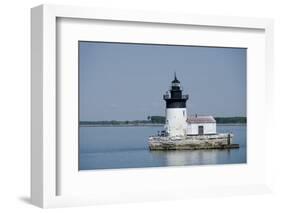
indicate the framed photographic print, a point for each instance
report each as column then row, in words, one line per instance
column 132, row 106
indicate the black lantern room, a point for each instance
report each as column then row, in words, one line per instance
column 174, row 97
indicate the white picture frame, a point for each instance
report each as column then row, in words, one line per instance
column 47, row 165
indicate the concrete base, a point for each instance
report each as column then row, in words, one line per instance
column 192, row 142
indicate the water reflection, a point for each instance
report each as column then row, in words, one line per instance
column 192, row 157
column 122, row 147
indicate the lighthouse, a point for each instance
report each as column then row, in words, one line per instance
column 182, row 132
column 176, row 115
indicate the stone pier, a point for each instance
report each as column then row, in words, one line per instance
column 192, row 142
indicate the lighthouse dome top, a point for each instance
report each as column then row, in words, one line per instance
column 175, row 82
column 175, row 79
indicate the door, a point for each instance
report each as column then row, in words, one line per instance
column 200, row 130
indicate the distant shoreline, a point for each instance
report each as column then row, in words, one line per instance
column 119, row 125
column 159, row 121
column 148, row 125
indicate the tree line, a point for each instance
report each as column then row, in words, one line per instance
column 161, row 120
column 220, row 120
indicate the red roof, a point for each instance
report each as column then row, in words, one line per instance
column 200, row 119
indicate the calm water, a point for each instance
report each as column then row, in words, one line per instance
column 126, row 147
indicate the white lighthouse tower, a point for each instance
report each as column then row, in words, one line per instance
column 176, row 115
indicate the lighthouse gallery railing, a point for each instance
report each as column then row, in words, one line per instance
column 168, row 96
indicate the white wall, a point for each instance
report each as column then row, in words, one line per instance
column 15, row 105
column 176, row 121
column 209, row 128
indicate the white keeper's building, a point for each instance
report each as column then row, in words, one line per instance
column 201, row 125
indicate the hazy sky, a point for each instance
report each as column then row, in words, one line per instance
column 127, row 81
